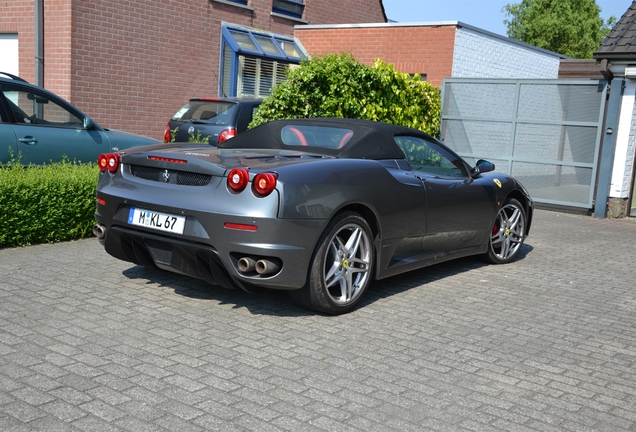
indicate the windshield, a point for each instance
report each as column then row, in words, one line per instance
column 212, row 112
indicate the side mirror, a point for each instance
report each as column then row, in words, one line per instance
column 483, row 166
column 87, row 124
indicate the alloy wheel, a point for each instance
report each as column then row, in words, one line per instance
column 347, row 264
column 508, row 232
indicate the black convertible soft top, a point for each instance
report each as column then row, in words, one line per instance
column 370, row 140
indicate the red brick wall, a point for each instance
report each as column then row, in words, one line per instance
column 417, row 49
column 344, row 11
column 58, row 47
column 134, row 63
column 16, row 16
column 130, row 64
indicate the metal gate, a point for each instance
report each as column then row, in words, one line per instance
column 546, row 133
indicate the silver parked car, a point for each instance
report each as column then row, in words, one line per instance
column 317, row 207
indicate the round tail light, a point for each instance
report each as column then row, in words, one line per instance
column 237, row 179
column 102, row 162
column 264, row 183
column 109, row 161
column 113, row 162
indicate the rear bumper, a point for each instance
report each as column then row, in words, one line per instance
column 211, row 252
column 199, row 261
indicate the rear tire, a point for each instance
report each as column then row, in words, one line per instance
column 507, row 234
column 341, row 267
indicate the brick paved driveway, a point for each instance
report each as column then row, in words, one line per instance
column 89, row 343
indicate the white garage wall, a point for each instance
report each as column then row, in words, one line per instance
column 481, row 54
column 9, row 53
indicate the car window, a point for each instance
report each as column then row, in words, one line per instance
column 254, row 111
column 315, row 136
column 31, row 107
column 428, row 157
column 213, row 112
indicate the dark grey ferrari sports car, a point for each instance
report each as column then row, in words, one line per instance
column 317, row 207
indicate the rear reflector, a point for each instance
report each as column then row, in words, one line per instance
column 101, row 201
column 242, row 227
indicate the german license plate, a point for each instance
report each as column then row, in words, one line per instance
column 156, row 220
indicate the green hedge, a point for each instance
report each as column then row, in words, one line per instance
column 46, row 204
column 339, row 86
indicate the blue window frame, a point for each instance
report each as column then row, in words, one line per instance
column 247, row 41
column 243, row 2
column 293, row 8
column 252, row 62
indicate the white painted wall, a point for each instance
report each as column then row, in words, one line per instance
column 9, row 53
column 481, row 54
column 625, row 144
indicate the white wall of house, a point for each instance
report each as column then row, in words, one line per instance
column 481, row 54
column 9, row 53
column 625, row 148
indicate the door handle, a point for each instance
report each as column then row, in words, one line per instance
column 28, row 140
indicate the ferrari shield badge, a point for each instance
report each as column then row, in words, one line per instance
column 497, row 182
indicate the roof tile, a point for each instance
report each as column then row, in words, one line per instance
column 620, row 43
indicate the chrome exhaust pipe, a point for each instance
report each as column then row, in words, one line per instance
column 265, row 267
column 99, row 231
column 246, row 265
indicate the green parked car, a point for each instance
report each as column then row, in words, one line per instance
column 38, row 127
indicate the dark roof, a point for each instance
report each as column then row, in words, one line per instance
column 370, row 140
column 383, row 11
column 620, row 43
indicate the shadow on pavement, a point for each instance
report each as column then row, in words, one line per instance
column 278, row 303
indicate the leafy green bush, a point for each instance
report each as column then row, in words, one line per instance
column 339, row 86
column 46, row 204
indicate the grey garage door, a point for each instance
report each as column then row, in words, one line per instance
column 546, row 133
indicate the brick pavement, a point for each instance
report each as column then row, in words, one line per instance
column 90, row 343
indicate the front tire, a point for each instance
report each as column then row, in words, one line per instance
column 508, row 233
column 341, row 267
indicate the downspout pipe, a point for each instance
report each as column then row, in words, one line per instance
column 606, row 163
column 39, row 43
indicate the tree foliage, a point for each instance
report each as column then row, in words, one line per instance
column 339, row 86
column 570, row 27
